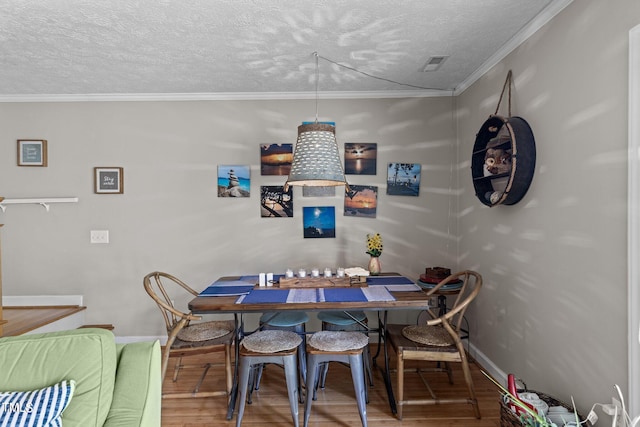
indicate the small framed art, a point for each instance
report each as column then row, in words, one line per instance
column 275, row 159
column 234, row 181
column 275, row 202
column 108, row 180
column 362, row 201
column 360, row 158
column 32, row 152
column 403, row 179
column 319, row 221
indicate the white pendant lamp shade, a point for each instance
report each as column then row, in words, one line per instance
column 316, row 159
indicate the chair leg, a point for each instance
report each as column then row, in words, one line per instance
column 399, row 400
column 359, row 385
column 176, row 369
column 312, row 373
column 302, row 352
column 204, row 374
column 259, row 369
column 366, row 354
column 449, row 371
column 324, row 369
column 227, row 365
column 243, row 383
column 291, row 376
column 472, row 393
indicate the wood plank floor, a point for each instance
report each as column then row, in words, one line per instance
column 336, row 405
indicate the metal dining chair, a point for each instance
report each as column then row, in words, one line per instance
column 269, row 346
column 337, row 346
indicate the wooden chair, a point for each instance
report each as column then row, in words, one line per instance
column 188, row 339
column 439, row 340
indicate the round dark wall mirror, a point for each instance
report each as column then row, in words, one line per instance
column 503, row 160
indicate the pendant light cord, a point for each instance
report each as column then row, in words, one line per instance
column 317, row 82
column 365, row 74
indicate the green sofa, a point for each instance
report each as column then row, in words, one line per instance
column 116, row 385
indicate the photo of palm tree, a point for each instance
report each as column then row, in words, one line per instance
column 275, row 202
column 403, row 179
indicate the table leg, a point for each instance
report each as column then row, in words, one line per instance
column 386, row 372
column 239, row 328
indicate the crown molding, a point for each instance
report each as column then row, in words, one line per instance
column 222, row 96
column 538, row 22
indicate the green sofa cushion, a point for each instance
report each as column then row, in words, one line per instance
column 86, row 355
column 138, row 389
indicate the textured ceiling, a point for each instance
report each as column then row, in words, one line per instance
column 73, row 47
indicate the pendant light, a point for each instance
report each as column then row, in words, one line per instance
column 316, row 159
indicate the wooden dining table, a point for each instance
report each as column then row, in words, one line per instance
column 400, row 299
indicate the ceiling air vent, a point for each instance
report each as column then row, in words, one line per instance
column 434, row 62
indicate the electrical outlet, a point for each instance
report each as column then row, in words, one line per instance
column 99, row 236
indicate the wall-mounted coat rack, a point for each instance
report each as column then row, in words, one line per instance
column 42, row 201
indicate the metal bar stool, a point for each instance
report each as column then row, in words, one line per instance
column 346, row 321
column 287, row 321
column 338, row 346
column 271, row 346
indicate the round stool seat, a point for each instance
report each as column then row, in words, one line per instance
column 271, row 341
column 341, row 318
column 284, row 318
column 338, row 340
column 205, row 331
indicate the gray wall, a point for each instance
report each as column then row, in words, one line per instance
column 554, row 306
column 170, row 218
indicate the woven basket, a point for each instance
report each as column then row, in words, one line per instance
column 509, row 419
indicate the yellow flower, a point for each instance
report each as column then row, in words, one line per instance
column 374, row 244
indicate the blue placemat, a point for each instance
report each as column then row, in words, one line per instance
column 266, row 296
column 226, row 290
column 388, row 280
column 344, row 295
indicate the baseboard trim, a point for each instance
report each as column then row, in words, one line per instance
column 487, row 364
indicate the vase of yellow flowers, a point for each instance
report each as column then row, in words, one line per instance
column 374, row 248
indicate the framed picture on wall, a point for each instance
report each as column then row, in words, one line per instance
column 361, row 201
column 108, row 180
column 403, row 179
column 319, row 221
column 275, row 159
column 234, row 181
column 32, row 152
column 360, row 158
column 275, row 202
